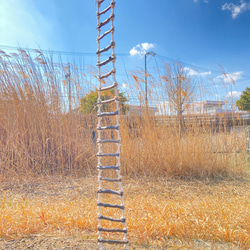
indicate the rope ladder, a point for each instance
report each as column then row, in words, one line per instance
column 112, row 227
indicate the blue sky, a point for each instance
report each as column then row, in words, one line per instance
column 200, row 33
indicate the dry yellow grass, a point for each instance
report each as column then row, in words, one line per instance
column 156, row 210
column 38, row 139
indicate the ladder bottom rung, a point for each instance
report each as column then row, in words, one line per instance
column 110, row 205
column 111, row 219
column 108, row 191
column 114, row 230
column 113, row 241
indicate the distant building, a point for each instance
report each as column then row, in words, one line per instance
column 195, row 108
column 138, row 110
column 205, row 107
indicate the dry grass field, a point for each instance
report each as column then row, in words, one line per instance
column 185, row 188
column 161, row 213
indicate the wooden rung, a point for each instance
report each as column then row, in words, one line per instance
column 108, row 127
column 112, row 241
column 108, row 113
column 108, row 167
column 110, row 205
column 123, row 220
column 107, row 74
column 108, row 141
column 118, row 230
column 105, row 21
column 109, row 179
column 105, row 33
column 111, row 58
column 108, row 101
column 108, row 191
column 108, row 154
column 112, row 44
column 115, row 84
column 104, row 11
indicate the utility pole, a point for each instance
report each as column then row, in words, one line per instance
column 68, row 77
column 146, row 83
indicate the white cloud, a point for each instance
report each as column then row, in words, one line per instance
column 191, row 72
column 232, row 94
column 124, row 85
column 134, row 52
column 229, row 78
column 147, row 46
column 22, row 24
column 141, row 49
column 236, row 9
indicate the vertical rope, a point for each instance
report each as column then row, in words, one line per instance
column 104, row 128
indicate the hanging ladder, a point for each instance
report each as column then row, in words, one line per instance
column 112, row 227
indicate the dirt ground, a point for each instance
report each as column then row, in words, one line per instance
column 47, row 242
column 66, row 187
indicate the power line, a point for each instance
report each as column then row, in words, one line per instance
column 58, row 52
column 195, row 66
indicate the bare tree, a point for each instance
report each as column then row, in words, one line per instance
column 180, row 88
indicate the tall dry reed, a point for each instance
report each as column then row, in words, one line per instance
column 38, row 134
column 154, row 148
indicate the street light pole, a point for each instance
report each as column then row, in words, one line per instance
column 146, row 83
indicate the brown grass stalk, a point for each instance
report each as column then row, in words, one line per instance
column 39, row 136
